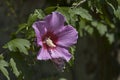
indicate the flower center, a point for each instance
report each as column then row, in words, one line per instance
column 49, row 42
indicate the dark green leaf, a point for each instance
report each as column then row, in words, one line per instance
column 48, row 10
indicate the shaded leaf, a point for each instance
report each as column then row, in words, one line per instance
column 38, row 14
column 21, row 44
column 48, row 10
column 102, row 29
column 1, row 57
column 72, row 51
column 21, row 27
column 117, row 13
column 82, row 25
column 89, row 29
column 110, row 37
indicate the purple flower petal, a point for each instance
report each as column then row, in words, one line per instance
column 40, row 30
column 67, row 37
column 55, row 21
column 60, row 52
column 43, row 54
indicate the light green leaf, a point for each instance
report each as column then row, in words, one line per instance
column 40, row 14
column 13, row 65
column 18, row 44
column 5, row 72
column 4, row 64
column 110, row 37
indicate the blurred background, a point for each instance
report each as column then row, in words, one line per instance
column 95, row 58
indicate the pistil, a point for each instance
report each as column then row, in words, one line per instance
column 49, row 42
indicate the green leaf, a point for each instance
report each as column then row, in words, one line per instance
column 32, row 18
column 83, row 13
column 82, row 25
column 13, row 65
column 40, row 14
column 65, row 12
column 48, row 10
column 21, row 44
column 1, row 57
column 72, row 51
column 102, row 29
column 21, row 27
column 117, row 12
column 89, row 29
column 5, row 72
column 110, row 38
column 4, row 64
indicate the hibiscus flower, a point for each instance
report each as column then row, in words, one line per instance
column 54, row 37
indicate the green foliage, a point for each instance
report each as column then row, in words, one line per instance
column 18, row 44
column 14, row 68
column 72, row 51
column 48, row 10
column 89, row 17
column 110, row 37
column 83, row 13
column 117, row 12
column 65, row 12
column 102, row 29
column 3, row 65
column 38, row 14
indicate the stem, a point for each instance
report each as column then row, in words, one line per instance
column 80, row 3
